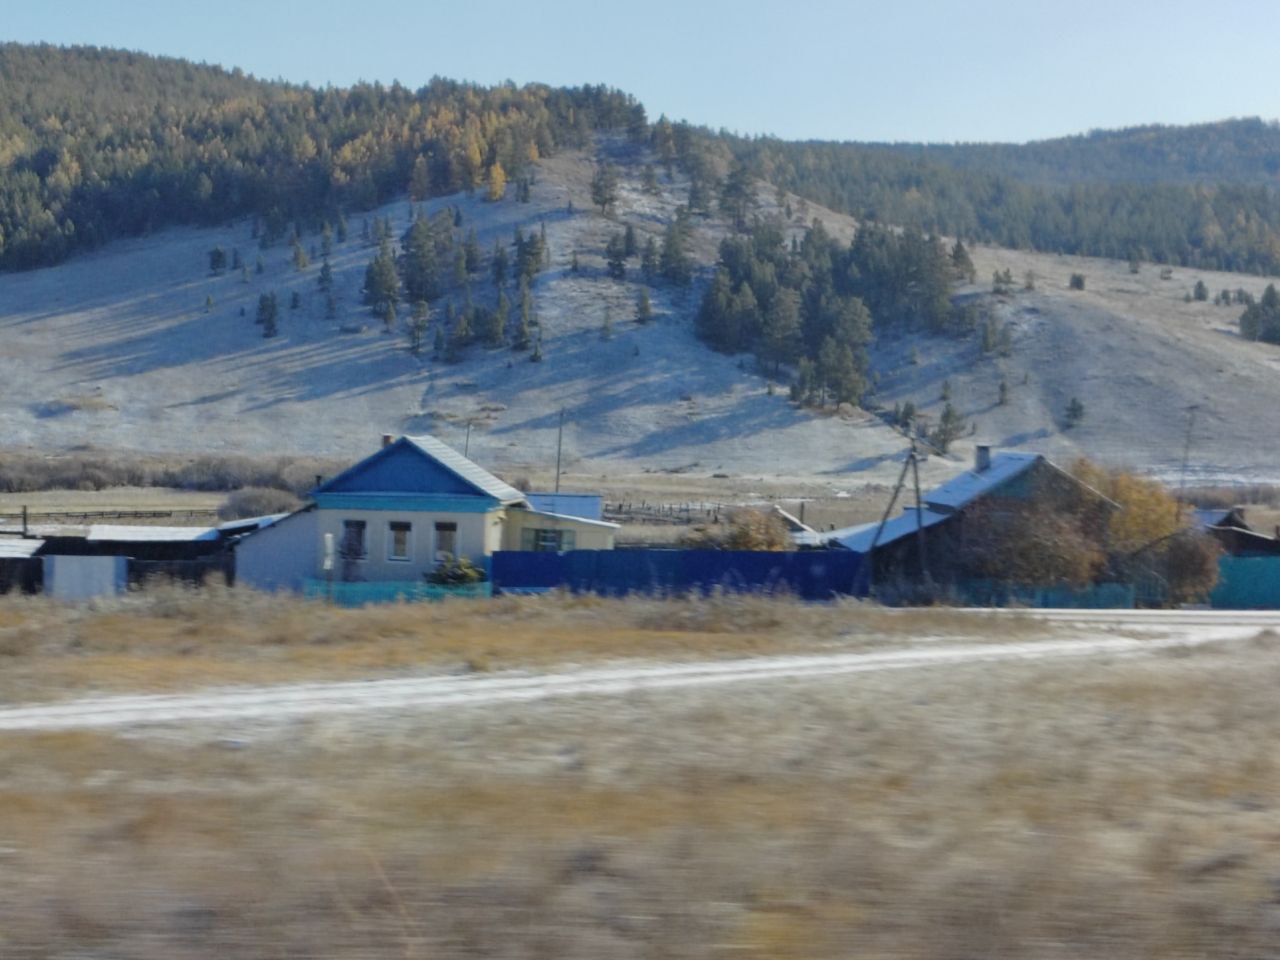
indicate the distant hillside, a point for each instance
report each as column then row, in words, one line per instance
column 1244, row 151
column 1096, row 196
column 143, row 346
column 100, row 144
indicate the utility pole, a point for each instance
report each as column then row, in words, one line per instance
column 559, row 445
column 466, row 446
column 920, row 548
column 1186, row 451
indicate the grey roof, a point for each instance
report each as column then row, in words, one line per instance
column 589, row 506
column 607, row 524
column 859, row 538
column 468, row 470
column 17, row 548
column 136, row 534
column 249, row 524
column 1211, row 518
column 964, row 489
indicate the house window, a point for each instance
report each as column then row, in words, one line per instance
column 353, row 542
column 399, row 540
column 547, row 541
column 446, row 541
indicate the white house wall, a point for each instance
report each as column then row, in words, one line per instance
column 280, row 556
column 477, row 532
column 587, row 535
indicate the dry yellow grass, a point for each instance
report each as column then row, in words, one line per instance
column 169, row 638
column 1110, row 810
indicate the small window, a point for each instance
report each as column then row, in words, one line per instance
column 399, row 540
column 446, row 541
column 547, row 541
column 353, row 543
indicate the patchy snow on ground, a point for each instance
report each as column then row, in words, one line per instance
column 120, row 349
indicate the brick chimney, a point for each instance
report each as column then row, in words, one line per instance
column 982, row 457
column 388, row 439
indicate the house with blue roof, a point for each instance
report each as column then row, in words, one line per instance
column 399, row 513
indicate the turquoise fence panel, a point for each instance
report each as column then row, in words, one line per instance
column 390, row 591
column 1247, row 583
column 994, row 593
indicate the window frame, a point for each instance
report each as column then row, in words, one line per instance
column 344, row 542
column 407, row 556
column 444, row 526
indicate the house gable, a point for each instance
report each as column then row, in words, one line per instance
column 420, row 473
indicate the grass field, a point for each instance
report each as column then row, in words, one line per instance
column 1120, row 809
column 168, row 639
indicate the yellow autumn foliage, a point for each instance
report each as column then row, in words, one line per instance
column 1149, row 512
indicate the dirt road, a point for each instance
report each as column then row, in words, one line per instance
column 1142, row 633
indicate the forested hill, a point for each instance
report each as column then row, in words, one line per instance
column 97, row 144
column 1242, row 151
column 1200, row 196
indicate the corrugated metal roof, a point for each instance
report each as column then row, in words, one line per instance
column 565, row 516
column 249, row 524
column 859, row 538
column 128, row 534
column 469, row 471
column 17, row 548
column 964, row 489
column 588, row 506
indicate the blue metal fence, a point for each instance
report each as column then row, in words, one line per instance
column 1247, row 583
column 812, row 575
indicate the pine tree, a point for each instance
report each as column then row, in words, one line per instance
column 650, row 266
column 268, row 311
column 1004, row 393
column 629, row 246
column 604, row 186
column 951, row 427
column 674, row 263
column 780, row 332
column 381, row 282
column 616, row 258
column 438, row 345
column 325, row 278
column 648, row 179
column 962, row 264
column 420, row 179
column 524, row 327
column 300, row 261
column 326, row 240
column 1075, row 412
column 499, row 261
column 501, row 317
column 217, row 260
column 644, row 311
column 737, row 194
column 471, row 251
column 295, row 300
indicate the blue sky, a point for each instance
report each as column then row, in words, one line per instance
column 905, row 70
